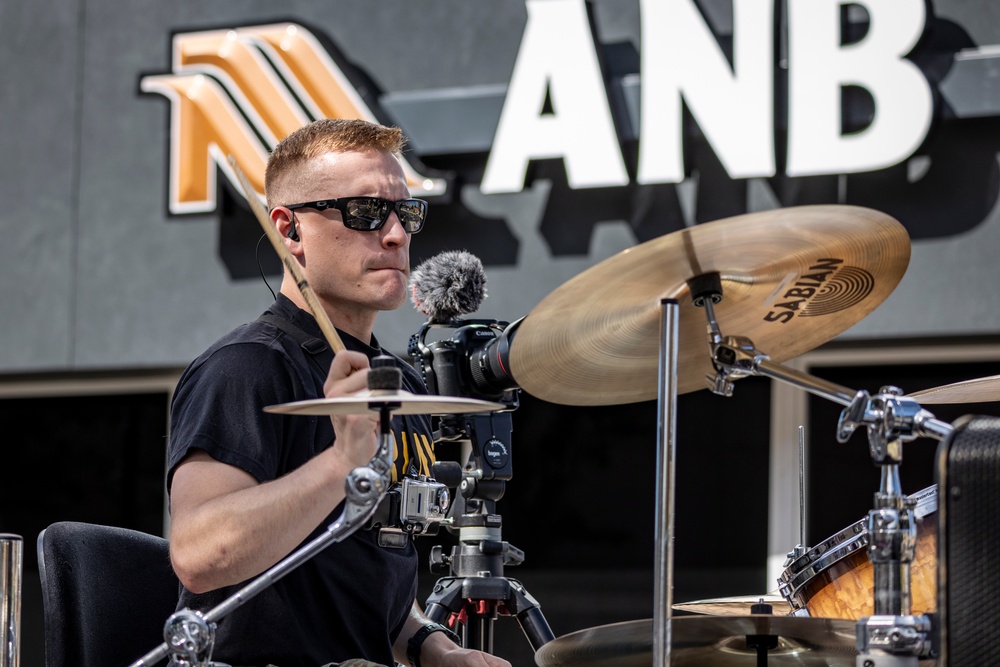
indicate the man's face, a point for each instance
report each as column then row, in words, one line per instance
column 354, row 272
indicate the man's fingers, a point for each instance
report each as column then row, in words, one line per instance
column 348, row 374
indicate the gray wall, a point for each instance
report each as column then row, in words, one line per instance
column 97, row 275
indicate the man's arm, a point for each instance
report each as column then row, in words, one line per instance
column 437, row 649
column 226, row 527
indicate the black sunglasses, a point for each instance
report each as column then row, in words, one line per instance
column 368, row 214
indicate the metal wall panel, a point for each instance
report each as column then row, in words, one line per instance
column 97, row 275
column 39, row 49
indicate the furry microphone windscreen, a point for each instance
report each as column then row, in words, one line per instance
column 449, row 284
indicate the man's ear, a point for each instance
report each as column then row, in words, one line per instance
column 284, row 221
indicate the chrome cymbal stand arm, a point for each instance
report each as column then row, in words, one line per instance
column 666, row 476
column 190, row 635
column 889, row 417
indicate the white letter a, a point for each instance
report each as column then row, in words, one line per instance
column 557, row 55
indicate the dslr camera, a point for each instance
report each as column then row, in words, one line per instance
column 473, row 362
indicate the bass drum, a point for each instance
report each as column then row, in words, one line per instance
column 835, row 579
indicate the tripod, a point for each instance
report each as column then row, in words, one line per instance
column 476, row 592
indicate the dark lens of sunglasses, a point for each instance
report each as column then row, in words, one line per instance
column 411, row 213
column 370, row 213
column 367, row 213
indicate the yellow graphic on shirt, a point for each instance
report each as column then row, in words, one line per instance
column 424, row 450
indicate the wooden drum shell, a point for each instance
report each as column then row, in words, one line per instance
column 844, row 588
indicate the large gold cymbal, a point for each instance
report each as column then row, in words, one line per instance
column 719, row 641
column 792, row 279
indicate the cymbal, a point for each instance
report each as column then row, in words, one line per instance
column 792, row 279
column 735, row 606
column 405, row 403
column 720, row 641
column 980, row 390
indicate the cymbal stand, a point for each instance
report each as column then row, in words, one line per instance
column 892, row 636
column 476, row 591
column 666, row 459
column 190, row 634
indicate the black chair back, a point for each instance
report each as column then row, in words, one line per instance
column 106, row 594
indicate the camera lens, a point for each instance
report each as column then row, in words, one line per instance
column 490, row 365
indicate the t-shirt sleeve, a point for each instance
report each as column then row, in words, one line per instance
column 218, row 407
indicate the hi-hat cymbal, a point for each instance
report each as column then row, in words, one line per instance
column 792, row 279
column 720, row 641
column 735, row 606
column 980, row 390
column 403, row 402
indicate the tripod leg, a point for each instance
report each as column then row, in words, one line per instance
column 535, row 627
column 436, row 613
column 448, row 597
column 459, row 598
column 522, row 606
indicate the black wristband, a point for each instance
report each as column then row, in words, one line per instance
column 417, row 640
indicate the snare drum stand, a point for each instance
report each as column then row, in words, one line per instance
column 891, row 637
column 477, row 592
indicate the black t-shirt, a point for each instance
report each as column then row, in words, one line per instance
column 351, row 599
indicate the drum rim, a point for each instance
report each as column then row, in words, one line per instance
column 818, row 559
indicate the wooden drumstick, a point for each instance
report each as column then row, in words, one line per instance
column 329, row 332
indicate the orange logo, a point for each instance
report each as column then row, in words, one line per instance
column 238, row 92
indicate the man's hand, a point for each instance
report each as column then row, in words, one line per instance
column 439, row 651
column 463, row 657
column 357, row 435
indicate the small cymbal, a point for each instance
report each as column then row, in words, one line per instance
column 792, row 279
column 735, row 606
column 405, row 403
column 720, row 641
column 980, row 390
